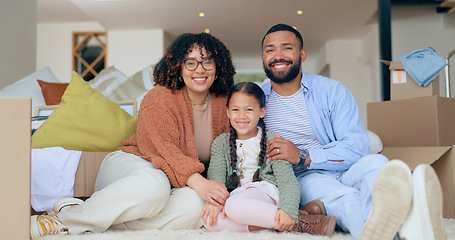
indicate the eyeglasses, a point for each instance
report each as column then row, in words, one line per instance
column 192, row 64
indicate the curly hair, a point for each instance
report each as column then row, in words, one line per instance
column 167, row 70
column 250, row 89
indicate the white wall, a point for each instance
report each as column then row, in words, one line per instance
column 54, row 46
column 315, row 61
column 248, row 65
column 168, row 39
column 17, row 40
column 348, row 67
column 129, row 51
column 353, row 62
column 132, row 50
column 420, row 27
column 371, row 60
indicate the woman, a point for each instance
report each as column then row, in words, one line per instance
column 155, row 181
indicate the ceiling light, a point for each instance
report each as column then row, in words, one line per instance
column 300, row 12
column 207, row 30
column 201, row 14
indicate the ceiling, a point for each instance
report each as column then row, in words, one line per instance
column 240, row 24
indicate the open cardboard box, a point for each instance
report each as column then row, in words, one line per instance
column 442, row 159
column 87, row 170
column 403, row 86
column 417, row 122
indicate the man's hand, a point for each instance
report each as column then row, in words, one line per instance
column 284, row 222
column 282, row 149
column 211, row 191
column 211, row 212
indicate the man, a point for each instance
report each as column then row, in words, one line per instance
column 320, row 131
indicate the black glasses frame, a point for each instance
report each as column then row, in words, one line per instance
column 202, row 64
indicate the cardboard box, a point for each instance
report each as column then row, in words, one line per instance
column 15, row 149
column 442, row 159
column 403, row 86
column 89, row 165
column 418, row 122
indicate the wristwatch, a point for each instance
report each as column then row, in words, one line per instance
column 303, row 154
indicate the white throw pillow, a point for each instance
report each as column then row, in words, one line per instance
column 28, row 87
column 116, row 86
column 375, row 142
column 107, row 81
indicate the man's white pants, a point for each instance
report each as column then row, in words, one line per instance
column 345, row 194
column 130, row 193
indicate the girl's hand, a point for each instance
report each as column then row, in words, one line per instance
column 211, row 212
column 284, row 222
column 211, row 191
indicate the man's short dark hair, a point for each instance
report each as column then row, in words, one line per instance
column 283, row 27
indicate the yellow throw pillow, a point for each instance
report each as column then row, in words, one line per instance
column 85, row 121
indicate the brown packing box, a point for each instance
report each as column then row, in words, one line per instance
column 442, row 159
column 418, row 122
column 89, row 165
column 403, row 86
column 15, row 131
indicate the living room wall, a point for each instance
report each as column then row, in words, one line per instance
column 348, row 66
column 133, row 50
column 128, row 50
column 18, row 40
column 54, row 48
column 354, row 62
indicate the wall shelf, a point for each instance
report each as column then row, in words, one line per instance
column 89, row 53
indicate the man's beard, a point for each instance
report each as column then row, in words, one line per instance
column 283, row 77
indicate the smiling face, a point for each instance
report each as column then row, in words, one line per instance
column 282, row 56
column 244, row 112
column 199, row 80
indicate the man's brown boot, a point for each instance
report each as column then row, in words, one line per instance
column 316, row 225
column 314, row 207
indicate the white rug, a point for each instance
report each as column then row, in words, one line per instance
column 202, row 234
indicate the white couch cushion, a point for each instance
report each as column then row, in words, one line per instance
column 375, row 142
column 28, row 87
column 116, row 86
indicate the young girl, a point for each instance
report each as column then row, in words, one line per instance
column 264, row 194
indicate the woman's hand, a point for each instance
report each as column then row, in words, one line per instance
column 211, row 191
column 284, row 222
column 211, row 212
